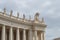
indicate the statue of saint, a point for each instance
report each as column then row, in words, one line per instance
column 37, row 17
column 17, row 14
column 23, row 16
column 11, row 13
column 4, row 11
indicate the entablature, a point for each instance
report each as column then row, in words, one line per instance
column 13, row 19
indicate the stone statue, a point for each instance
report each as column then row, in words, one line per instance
column 11, row 13
column 37, row 17
column 4, row 11
column 23, row 16
column 17, row 15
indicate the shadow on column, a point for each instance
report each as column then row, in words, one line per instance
column 0, row 33
column 21, row 35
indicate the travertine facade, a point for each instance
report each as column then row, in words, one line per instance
column 15, row 28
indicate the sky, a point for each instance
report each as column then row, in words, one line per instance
column 49, row 9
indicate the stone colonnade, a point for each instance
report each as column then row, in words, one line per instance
column 30, row 35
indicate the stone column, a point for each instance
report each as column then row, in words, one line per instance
column 11, row 34
column 42, row 36
column 39, row 35
column 17, row 34
column 6, row 36
column 3, row 32
column 35, row 34
column 24, row 34
column 30, row 35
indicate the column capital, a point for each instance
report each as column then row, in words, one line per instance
column 42, row 31
column 3, row 25
column 17, row 28
column 11, row 27
column 30, row 29
column 24, row 29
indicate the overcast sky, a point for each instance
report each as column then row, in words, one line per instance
column 49, row 9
